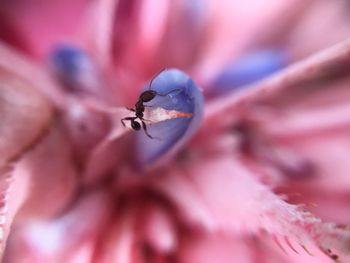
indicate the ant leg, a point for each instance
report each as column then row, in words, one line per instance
column 148, row 106
column 122, row 121
column 130, row 109
column 127, row 119
column 144, row 127
column 147, row 120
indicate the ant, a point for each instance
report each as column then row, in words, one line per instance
column 139, row 109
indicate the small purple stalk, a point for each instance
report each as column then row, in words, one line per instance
column 248, row 69
column 74, row 68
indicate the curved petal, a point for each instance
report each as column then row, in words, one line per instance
column 67, row 238
column 26, row 116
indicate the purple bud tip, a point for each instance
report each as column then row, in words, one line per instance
column 72, row 66
column 177, row 91
column 246, row 70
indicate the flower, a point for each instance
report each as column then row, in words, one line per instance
column 232, row 183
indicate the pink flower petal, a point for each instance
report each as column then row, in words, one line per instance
column 160, row 231
column 183, row 193
column 207, row 248
column 119, row 242
column 238, row 203
column 25, row 115
column 99, row 29
column 320, row 65
column 64, row 239
column 33, row 20
column 35, row 74
column 236, row 26
column 328, row 15
column 50, row 175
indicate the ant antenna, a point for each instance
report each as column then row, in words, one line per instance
column 156, row 75
column 151, row 82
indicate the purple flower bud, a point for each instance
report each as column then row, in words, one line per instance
column 177, row 91
column 74, row 68
column 246, row 70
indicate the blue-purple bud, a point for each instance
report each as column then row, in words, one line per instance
column 183, row 95
column 248, row 69
column 74, row 68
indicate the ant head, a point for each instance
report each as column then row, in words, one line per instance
column 148, row 95
column 135, row 125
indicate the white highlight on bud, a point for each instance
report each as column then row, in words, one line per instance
column 158, row 114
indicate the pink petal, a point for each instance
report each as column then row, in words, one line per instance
column 235, row 26
column 238, row 203
column 99, row 29
column 33, row 20
column 8, row 206
column 328, row 15
column 183, row 193
column 120, row 240
column 208, row 248
column 160, row 230
column 50, row 175
column 64, row 239
column 35, row 74
column 313, row 68
column 86, row 126
column 25, row 115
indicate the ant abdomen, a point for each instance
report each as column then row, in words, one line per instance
column 135, row 125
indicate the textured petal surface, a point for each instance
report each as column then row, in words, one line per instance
column 25, row 115
column 235, row 202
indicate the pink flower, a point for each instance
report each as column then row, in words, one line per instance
column 234, row 183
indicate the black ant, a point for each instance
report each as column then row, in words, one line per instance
column 139, row 109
